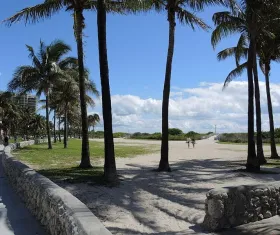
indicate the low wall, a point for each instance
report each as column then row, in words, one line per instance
column 27, row 143
column 59, row 211
column 229, row 207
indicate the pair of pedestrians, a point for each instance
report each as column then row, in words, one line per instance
column 190, row 141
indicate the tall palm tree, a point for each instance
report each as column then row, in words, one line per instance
column 110, row 170
column 40, row 77
column 175, row 10
column 268, row 50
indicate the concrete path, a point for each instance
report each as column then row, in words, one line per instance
column 14, row 216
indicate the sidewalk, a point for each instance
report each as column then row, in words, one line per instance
column 14, row 216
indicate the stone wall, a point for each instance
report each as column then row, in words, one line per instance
column 229, row 207
column 27, row 143
column 59, row 211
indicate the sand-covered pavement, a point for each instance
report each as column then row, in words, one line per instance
column 147, row 202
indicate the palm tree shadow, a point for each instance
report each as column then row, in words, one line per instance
column 178, row 196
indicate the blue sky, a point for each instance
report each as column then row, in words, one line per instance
column 137, row 48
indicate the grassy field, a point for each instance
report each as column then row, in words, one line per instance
column 233, row 143
column 60, row 164
column 273, row 163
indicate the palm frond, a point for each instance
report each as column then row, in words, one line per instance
column 241, row 49
column 32, row 56
column 224, row 54
column 198, row 5
column 262, row 66
column 68, row 62
column 235, row 73
column 91, row 88
column 25, row 78
column 57, row 49
column 224, row 30
column 191, row 19
column 36, row 13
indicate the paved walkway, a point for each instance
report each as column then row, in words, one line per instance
column 14, row 216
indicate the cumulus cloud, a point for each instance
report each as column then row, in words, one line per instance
column 198, row 109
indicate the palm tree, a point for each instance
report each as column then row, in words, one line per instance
column 110, row 170
column 268, row 50
column 40, row 77
column 93, row 120
column 175, row 9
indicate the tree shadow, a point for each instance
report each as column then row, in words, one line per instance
column 148, row 199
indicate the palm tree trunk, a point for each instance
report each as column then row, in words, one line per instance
column 110, row 171
column 65, row 129
column 47, row 121
column 260, row 153
column 78, row 26
column 274, row 153
column 59, row 136
column 252, row 160
column 54, row 121
column 164, row 163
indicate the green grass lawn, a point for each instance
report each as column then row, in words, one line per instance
column 233, row 143
column 61, row 164
column 273, row 163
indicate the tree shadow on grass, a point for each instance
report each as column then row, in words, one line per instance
column 75, row 175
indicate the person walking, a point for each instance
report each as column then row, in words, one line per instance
column 193, row 142
column 188, row 141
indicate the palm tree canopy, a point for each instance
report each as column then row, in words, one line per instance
column 45, row 68
column 93, row 119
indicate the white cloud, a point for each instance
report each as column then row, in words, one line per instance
column 198, row 109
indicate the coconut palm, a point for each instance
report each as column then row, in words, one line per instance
column 268, row 50
column 45, row 70
column 181, row 10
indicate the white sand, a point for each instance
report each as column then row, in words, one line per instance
column 148, row 202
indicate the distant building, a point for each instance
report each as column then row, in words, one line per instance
column 26, row 100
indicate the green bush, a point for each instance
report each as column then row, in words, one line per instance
column 175, row 131
column 120, row 135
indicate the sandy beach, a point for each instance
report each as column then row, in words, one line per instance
column 147, row 202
